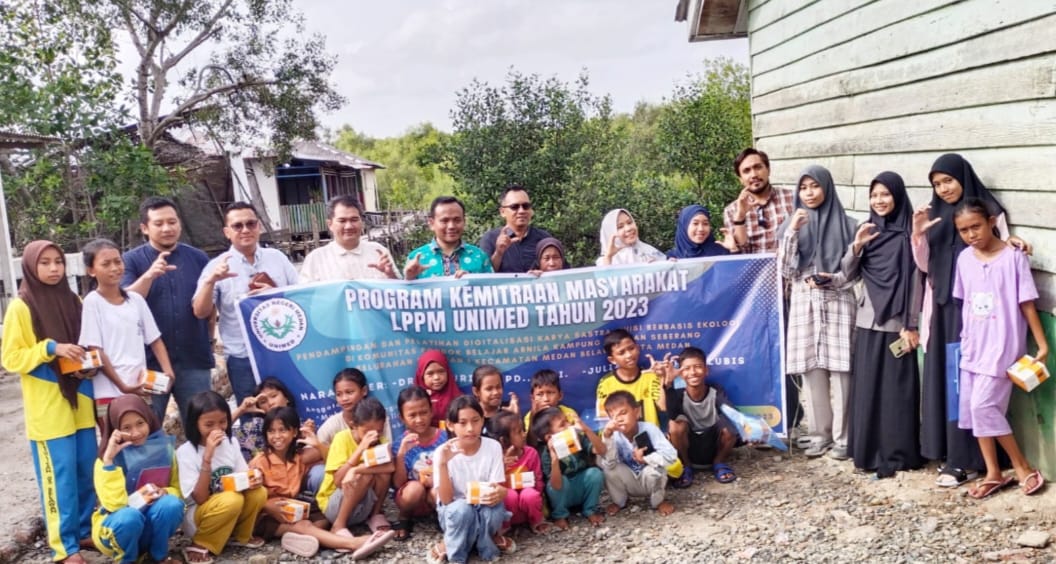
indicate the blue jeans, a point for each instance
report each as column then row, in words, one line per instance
column 583, row 489
column 189, row 381
column 314, row 479
column 127, row 532
column 243, row 382
column 466, row 526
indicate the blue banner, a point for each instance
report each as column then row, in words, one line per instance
column 728, row 306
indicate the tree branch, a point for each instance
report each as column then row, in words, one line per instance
column 207, row 31
column 189, row 105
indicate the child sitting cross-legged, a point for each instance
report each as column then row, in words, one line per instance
column 572, row 480
column 524, row 476
column 699, row 430
column 636, row 457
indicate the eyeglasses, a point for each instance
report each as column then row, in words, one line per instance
column 248, row 225
column 760, row 219
column 518, row 207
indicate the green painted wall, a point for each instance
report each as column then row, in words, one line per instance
column 1033, row 415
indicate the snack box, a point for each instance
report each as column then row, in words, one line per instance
column 1028, row 373
column 477, row 490
column 90, row 360
column 522, row 480
column 237, row 481
column 144, row 496
column 294, row 510
column 566, row 442
column 377, row 455
column 156, row 382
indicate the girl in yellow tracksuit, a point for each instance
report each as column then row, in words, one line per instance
column 40, row 326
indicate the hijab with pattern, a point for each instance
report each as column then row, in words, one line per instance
column 636, row 253
column 438, row 398
column 54, row 309
column 828, row 231
column 684, row 246
column 887, row 261
column 943, row 242
column 118, row 408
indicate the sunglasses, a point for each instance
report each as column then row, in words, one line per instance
column 761, row 219
column 248, row 225
column 518, row 207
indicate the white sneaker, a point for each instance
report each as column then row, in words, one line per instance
column 818, row 447
column 838, row 452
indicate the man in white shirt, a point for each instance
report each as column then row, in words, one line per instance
column 349, row 256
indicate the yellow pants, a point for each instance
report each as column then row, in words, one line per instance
column 228, row 514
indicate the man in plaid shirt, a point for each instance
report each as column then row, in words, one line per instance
column 760, row 208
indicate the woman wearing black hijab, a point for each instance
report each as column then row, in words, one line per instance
column 884, row 435
column 936, row 245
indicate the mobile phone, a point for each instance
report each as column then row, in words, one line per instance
column 819, row 280
column 510, row 233
column 261, row 280
column 642, row 440
column 899, row 348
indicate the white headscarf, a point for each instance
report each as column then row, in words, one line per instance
column 637, row 253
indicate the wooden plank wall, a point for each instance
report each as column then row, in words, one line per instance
column 861, row 86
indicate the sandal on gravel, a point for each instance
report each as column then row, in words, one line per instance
column 403, row 528
column 305, row 546
column 253, row 542
column 378, row 522
column 506, row 544
column 344, row 533
column 686, row 479
column 723, row 473
column 376, row 541
column 954, row 477
column 201, row 555
column 1031, row 489
column 987, row 488
column 437, row 554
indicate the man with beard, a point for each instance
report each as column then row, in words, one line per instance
column 446, row 254
column 348, row 256
column 512, row 246
column 165, row 272
column 753, row 218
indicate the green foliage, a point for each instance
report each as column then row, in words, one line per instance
column 704, row 126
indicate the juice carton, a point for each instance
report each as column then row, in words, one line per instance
column 237, row 481
column 566, row 442
column 377, row 455
column 294, row 510
column 156, row 382
column 144, row 496
column 477, row 490
column 90, row 360
column 1028, row 373
column 522, row 480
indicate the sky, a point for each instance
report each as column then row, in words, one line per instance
column 400, row 63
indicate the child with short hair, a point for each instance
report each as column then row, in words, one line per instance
column 353, row 492
column 487, row 388
column 458, row 463
column 644, row 385
column 546, row 392
column 434, row 376
column 525, row 503
column 637, row 456
column 215, row 517
column 413, row 477
column 573, row 480
column 283, row 467
column 699, row 431
column 995, row 283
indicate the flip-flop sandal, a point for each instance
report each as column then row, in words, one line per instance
column 204, row 556
column 1039, row 481
column 954, row 477
column 378, row 522
column 403, row 528
column 506, row 544
column 376, row 541
column 723, row 473
column 987, row 488
column 344, row 533
column 305, row 546
column 253, row 542
column 686, row 479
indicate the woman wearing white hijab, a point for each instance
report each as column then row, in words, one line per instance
column 620, row 243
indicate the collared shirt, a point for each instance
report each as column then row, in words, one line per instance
column 762, row 222
column 170, row 301
column 466, row 257
column 228, row 291
column 334, row 262
column 520, row 255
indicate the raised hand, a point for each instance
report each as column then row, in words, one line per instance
column 222, row 270
column 414, row 268
column 409, row 441
column 921, row 223
column 864, row 235
column 117, row 443
column 509, row 457
column 515, row 404
column 384, row 265
column 799, row 219
column 728, row 240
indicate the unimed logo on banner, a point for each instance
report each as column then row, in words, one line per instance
column 279, row 324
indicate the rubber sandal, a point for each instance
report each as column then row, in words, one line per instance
column 723, row 473
column 344, row 533
column 685, row 480
column 305, row 546
column 204, row 556
column 1039, row 482
column 506, row 545
column 987, row 488
column 403, row 528
column 378, row 522
column 437, row 554
column 376, row 541
column 253, row 542
column 954, row 477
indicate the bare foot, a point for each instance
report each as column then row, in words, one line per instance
column 612, row 509
column 561, row 524
column 665, row 508
column 542, row 528
column 596, row 519
column 75, row 558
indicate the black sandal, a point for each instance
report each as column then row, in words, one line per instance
column 403, row 528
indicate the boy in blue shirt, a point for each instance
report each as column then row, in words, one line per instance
column 636, row 457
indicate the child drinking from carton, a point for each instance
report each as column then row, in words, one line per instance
column 636, row 457
column 701, row 434
column 283, row 467
column 140, row 506
column 435, row 376
column 524, row 474
column 546, row 392
column 487, row 388
column 359, row 470
column 223, row 497
column 413, row 477
column 570, row 477
column 470, row 489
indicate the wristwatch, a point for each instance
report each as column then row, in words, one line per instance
column 741, row 222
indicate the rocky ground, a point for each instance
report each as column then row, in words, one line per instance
column 782, row 508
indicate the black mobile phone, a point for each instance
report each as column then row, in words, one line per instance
column 510, row 232
column 820, row 280
column 642, row 440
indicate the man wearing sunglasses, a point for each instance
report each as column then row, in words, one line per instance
column 512, row 246
column 244, row 268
